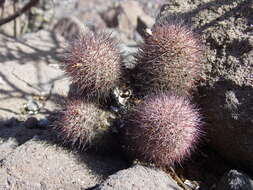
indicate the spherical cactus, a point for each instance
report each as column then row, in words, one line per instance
column 94, row 65
column 169, row 59
column 164, row 129
column 83, row 125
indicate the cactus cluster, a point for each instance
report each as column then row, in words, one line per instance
column 163, row 127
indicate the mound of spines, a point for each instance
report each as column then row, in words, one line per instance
column 83, row 124
column 169, row 59
column 94, row 65
column 164, row 129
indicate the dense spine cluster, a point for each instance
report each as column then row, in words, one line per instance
column 169, row 59
column 82, row 124
column 163, row 129
column 94, row 65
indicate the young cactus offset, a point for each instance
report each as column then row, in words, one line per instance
column 94, row 65
column 164, row 129
column 169, row 59
column 83, row 125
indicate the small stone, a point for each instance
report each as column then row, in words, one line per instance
column 122, row 96
column 235, row 180
column 114, row 109
column 31, row 106
column 191, row 184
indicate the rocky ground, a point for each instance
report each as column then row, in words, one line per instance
column 32, row 86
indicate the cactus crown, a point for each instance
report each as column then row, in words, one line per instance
column 169, row 59
column 82, row 124
column 163, row 129
column 94, row 64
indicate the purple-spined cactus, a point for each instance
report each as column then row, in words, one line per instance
column 169, row 59
column 83, row 124
column 94, row 65
column 164, row 129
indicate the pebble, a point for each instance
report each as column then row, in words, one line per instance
column 31, row 106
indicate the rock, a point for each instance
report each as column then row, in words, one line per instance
column 70, row 27
column 134, row 11
column 139, row 177
column 122, row 96
column 38, row 165
column 192, row 184
column 92, row 20
column 235, row 180
column 128, row 16
column 27, row 75
column 225, row 93
column 32, row 107
column 110, row 17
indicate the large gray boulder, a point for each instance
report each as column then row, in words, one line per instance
column 39, row 165
column 139, row 177
column 226, row 91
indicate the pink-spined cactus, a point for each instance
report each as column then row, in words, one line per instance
column 170, row 58
column 94, row 65
column 84, row 125
column 164, row 129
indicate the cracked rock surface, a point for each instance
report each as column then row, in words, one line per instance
column 225, row 92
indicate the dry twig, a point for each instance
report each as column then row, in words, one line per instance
column 19, row 12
